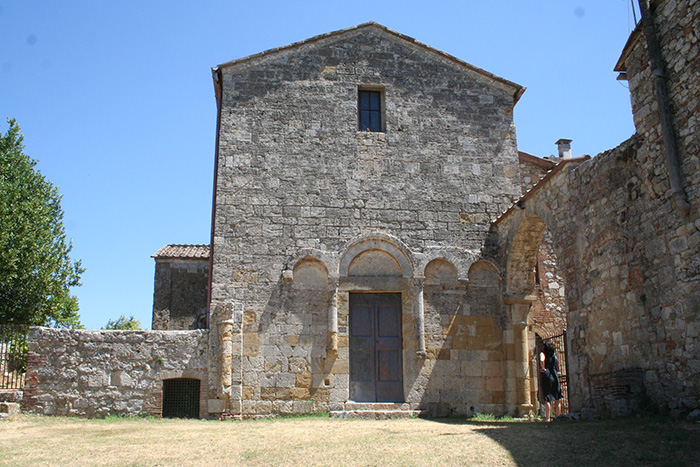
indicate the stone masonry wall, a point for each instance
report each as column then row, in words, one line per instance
column 99, row 373
column 629, row 256
column 549, row 310
column 296, row 178
column 180, row 294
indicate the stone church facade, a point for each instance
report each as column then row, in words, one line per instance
column 378, row 246
column 346, row 260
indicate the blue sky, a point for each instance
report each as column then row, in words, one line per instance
column 116, row 102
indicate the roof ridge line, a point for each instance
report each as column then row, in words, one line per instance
column 518, row 89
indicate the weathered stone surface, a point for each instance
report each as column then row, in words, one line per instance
column 180, row 287
column 627, row 255
column 309, row 209
column 8, row 409
column 11, row 395
column 97, row 373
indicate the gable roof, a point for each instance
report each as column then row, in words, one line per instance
column 518, row 90
column 527, row 158
column 183, row 252
column 519, row 204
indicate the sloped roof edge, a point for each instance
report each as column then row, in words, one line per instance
column 628, row 48
column 185, row 251
column 535, row 160
column 518, row 90
column 558, row 168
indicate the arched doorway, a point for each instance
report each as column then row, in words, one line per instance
column 376, row 274
column 535, row 297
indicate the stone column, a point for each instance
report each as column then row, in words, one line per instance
column 522, row 369
column 420, row 317
column 520, row 311
column 333, row 325
column 223, row 390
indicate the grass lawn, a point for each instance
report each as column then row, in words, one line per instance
column 34, row 440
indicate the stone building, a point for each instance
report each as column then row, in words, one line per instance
column 180, row 289
column 357, row 176
column 625, row 228
column 378, row 247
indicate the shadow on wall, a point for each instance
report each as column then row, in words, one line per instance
column 464, row 320
column 284, row 349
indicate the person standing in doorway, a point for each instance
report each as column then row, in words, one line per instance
column 549, row 380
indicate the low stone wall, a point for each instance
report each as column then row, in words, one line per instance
column 99, row 373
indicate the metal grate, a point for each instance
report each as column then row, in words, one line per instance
column 13, row 355
column 181, row 398
column 562, row 351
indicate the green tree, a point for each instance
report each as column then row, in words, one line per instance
column 36, row 272
column 124, row 324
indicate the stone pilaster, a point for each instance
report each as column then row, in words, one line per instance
column 223, row 390
column 333, row 324
column 519, row 311
column 420, row 316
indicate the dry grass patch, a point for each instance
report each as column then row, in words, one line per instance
column 31, row 440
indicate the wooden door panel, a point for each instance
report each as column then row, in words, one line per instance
column 361, row 321
column 389, row 365
column 375, row 348
column 388, row 321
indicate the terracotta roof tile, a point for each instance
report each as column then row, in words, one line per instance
column 183, row 251
column 527, row 158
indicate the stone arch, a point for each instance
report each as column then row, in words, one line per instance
column 310, row 273
column 374, row 263
column 522, row 256
column 484, row 273
column 328, row 259
column 530, row 303
column 460, row 259
column 376, row 297
column 393, row 259
column 440, row 271
column 484, row 290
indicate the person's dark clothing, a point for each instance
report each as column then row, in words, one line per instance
column 551, row 390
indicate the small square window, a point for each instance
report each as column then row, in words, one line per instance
column 370, row 110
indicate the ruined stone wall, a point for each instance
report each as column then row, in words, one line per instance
column 549, row 308
column 98, row 373
column 668, row 273
column 180, row 294
column 296, row 177
column 533, row 169
column 630, row 258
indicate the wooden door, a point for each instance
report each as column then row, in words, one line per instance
column 375, row 348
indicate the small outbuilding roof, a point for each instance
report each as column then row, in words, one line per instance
column 527, row 158
column 183, row 252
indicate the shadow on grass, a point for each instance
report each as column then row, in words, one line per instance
column 628, row 441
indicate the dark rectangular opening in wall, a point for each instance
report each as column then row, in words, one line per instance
column 181, row 398
column 370, row 110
